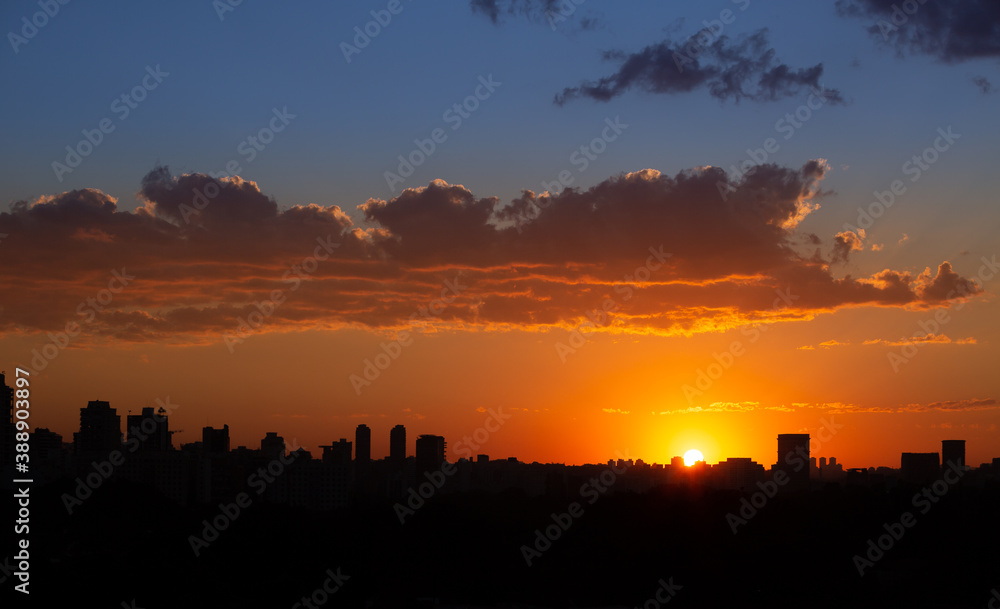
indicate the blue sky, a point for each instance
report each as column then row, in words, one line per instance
column 353, row 119
column 345, row 124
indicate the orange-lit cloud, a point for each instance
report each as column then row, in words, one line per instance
column 644, row 252
column 923, row 339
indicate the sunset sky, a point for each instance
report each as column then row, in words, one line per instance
column 246, row 230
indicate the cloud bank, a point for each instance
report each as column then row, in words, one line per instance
column 673, row 256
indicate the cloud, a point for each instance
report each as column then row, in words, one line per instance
column 983, row 83
column 954, row 405
column 920, row 339
column 675, row 257
column 945, row 286
column 744, row 69
column 550, row 12
column 615, row 411
column 945, row 406
column 949, row 30
column 843, row 244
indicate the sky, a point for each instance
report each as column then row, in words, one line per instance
column 629, row 230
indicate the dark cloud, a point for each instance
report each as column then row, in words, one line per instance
column 550, row 12
column 983, row 83
column 674, row 255
column 945, row 285
column 843, row 244
column 744, row 69
column 950, row 30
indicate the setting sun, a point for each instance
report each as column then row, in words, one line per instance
column 693, row 456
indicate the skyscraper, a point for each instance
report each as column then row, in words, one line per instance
column 919, row 468
column 397, row 445
column 953, row 451
column 100, row 429
column 363, row 444
column 215, row 441
column 430, row 452
column 793, row 458
column 338, row 453
column 151, row 430
column 6, row 421
column 272, row 446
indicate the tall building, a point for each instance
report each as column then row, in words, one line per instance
column 920, row 468
column 363, row 443
column 397, row 445
column 272, row 446
column 338, row 453
column 100, row 429
column 215, row 441
column 430, row 452
column 150, row 429
column 793, row 458
column 6, row 421
column 953, row 451
column 46, row 448
column 738, row 473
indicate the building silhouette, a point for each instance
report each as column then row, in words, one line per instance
column 338, row 453
column 272, row 446
column 100, row 429
column 953, row 451
column 430, row 452
column 149, row 429
column 363, row 444
column 6, row 421
column 738, row 473
column 793, row 458
column 215, row 441
column 397, row 445
column 919, row 468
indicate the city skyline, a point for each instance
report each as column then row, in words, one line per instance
column 662, row 227
column 360, row 442
column 500, row 303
